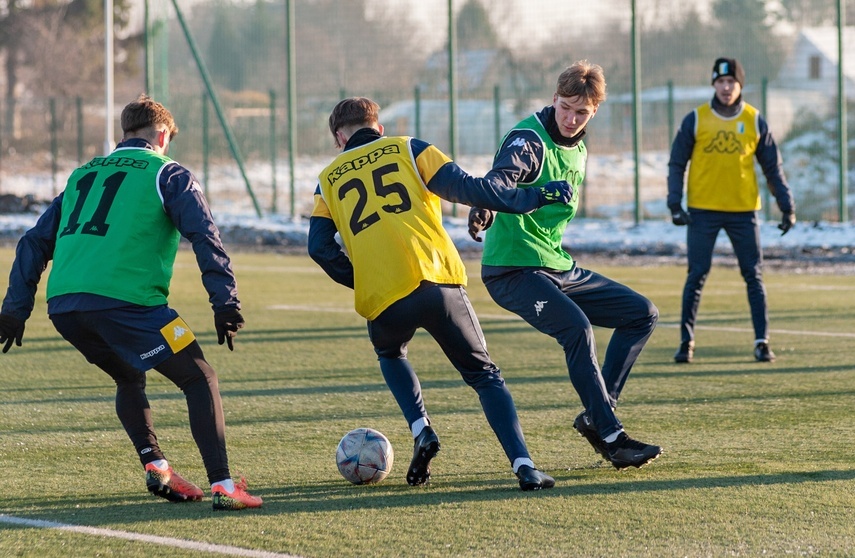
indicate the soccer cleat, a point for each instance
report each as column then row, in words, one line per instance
column 586, row 428
column 170, row 485
column 425, row 448
column 686, row 352
column 238, row 499
column 532, row 479
column 763, row 353
column 625, row 451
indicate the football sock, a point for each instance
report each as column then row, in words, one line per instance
column 758, row 341
column 228, row 485
column 520, row 461
column 418, row 426
column 612, row 437
column 161, row 464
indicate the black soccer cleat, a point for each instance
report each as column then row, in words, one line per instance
column 532, row 479
column 585, row 426
column 425, row 448
column 763, row 353
column 686, row 352
column 625, row 452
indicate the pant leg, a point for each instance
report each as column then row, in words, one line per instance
column 390, row 334
column 609, row 304
column 132, row 406
column 445, row 312
column 536, row 297
column 189, row 370
column 744, row 233
column 701, row 235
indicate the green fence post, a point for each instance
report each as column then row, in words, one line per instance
column 54, row 146
column 764, row 110
column 273, row 150
column 670, row 113
column 417, row 96
column 79, row 102
column 206, row 145
column 497, row 117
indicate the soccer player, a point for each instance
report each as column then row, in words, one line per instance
column 113, row 235
column 527, row 271
column 382, row 195
column 722, row 138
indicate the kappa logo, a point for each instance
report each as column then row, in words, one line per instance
column 538, row 306
column 178, row 332
column 724, row 142
column 519, row 142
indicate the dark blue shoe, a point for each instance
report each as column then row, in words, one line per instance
column 425, row 448
column 532, row 479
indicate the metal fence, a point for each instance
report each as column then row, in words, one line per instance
column 225, row 74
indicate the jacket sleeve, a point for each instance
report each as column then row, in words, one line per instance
column 769, row 157
column 34, row 251
column 323, row 247
column 681, row 152
column 186, row 205
column 497, row 190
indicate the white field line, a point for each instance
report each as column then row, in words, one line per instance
column 511, row 318
column 166, row 541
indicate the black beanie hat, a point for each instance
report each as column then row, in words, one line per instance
column 728, row 67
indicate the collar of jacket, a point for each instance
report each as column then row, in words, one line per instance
column 548, row 115
column 725, row 110
column 361, row 137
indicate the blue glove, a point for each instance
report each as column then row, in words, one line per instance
column 227, row 323
column 11, row 329
column 479, row 220
column 788, row 221
column 557, row 191
column 679, row 216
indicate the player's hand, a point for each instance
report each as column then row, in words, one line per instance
column 227, row 323
column 557, row 191
column 679, row 217
column 788, row 221
column 479, row 220
column 11, row 329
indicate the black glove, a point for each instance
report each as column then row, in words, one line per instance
column 11, row 329
column 557, row 191
column 679, row 216
column 227, row 323
column 479, row 220
column 788, row 221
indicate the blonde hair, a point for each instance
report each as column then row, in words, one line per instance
column 585, row 80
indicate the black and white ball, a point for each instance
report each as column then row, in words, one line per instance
column 364, row 456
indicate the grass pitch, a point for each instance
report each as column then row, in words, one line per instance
column 757, row 458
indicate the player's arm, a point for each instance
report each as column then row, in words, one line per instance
column 681, row 152
column 497, row 190
column 34, row 251
column 323, row 248
column 769, row 157
column 186, row 205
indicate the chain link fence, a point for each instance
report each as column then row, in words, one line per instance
column 508, row 56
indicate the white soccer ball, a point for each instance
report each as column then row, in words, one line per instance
column 364, row 456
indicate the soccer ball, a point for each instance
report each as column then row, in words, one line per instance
column 364, row 456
